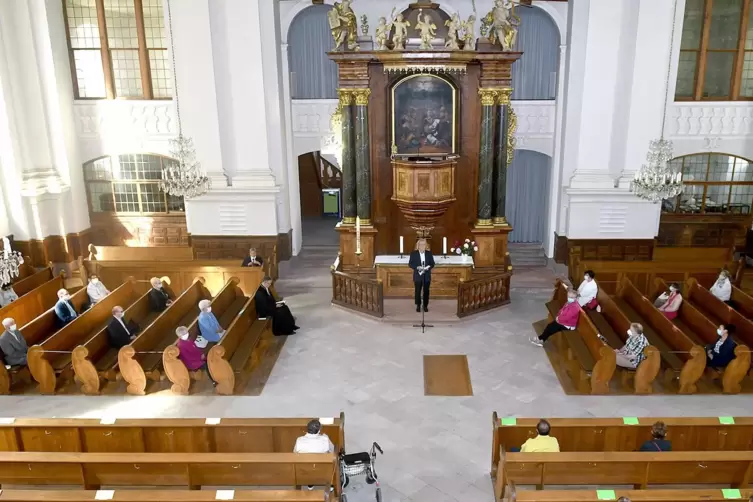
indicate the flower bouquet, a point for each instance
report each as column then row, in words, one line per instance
column 466, row 248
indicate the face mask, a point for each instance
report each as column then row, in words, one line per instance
column 185, row 337
column 570, row 300
column 95, row 281
column 66, row 297
column 629, row 333
column 209, row 309
column 119, row 315
column 672, row 290
column 12, row 327
column 719, row 332
column 158, row 286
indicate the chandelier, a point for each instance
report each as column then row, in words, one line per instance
column 656, row 181
column 184, row 177
column 10, row 264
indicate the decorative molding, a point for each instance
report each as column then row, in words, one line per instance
column 711, row 144
column 124, row 117
column 612, row 219
column 718, row 119
column 311, row 117
column 232, row 219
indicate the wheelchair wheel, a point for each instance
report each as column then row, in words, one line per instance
column 344, row 480
column 379, row 495
column 343, row 498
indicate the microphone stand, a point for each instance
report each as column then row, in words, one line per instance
column 423, row 324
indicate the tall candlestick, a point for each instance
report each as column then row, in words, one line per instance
column 358, row 235
column 401, row 244
column 444, row 245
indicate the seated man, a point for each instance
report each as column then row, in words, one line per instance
column 721, row 353
column 95, row 289
column 252, row 260
column 208, row 324
column 543, row 442
column 64, row 309
column 657, row 442
column 567, row 318
column 315, row 441
column 631, row 354
column 119, row 331
column 13, row 344
column 7, row 295
column 159, row 300
column 588, row 290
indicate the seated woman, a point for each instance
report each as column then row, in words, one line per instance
column 588, row 290
column 721, row 353
column 722, row 288
column 283, row 322
column 567, row 318
column 631, row 354
column 657, row 442
column 672, row 304
column 7, row 295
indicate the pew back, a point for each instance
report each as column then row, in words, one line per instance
column 135, row 253
column 46, row 324
column 129, row 495
column 661, row 495
column 720, row 312
column 34, row 303
column 743, row 301
column 31, row 282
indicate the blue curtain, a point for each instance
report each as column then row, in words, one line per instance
column 312, row 74
column 528, row 196
column 534, row 75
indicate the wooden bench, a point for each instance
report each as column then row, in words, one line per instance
column 163, row 435
column 613, row 325
column 688, row 495
column 95, row 360
column 129, row 495
column 640, row 469
column 718, row 312
column 142, row 358
column 679, row 354
column 33, row 281
column 53, row 355
column 92, row 470
column 698, row 328
column 34, row 303
column 226, row 306
column 743, row 302
column 612, row 434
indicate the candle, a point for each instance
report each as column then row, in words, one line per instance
column 401, row 244
column 444, row 245
column 358, row 235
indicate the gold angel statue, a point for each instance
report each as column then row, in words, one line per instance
column 401, row 32
column 504, row 24
column 454, row 24
column 344, row 25
column 469, row 33
column 382, row 32
column 428, row 31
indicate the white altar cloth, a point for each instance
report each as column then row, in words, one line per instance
column 439, row 260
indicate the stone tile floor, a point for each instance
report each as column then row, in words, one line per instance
column 436, row 448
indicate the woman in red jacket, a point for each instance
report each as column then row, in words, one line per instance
column 567, row 318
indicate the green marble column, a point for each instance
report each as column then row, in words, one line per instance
column 348, row 157
column 362, row 156
column 503, row 153
column 486, row 158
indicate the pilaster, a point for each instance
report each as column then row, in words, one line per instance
column 504, row 151
column 486, row 158
column 362, row 155
column 349, row 182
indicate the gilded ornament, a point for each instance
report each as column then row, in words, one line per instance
column 512, row 126
column 428, row 30
column 503, row 24
column 401, row 32
column 469, row 33
column 504, row 95
column 362, row 96
column 488, row 96
column 486, row 222
column 500, row 221
column 365, row 25
column 349, row 220
column 454, row 25
column 346, row 97
column 382, row 33
column 344, row 25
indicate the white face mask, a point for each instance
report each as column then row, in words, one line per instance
column 719, row 332
column 586, row 278
column 630, row 332
column 12, row 327
column 184, row 337
column 95, row 281
column 158, row 286
column 209, row 309
column 119, row 315
column 66, row 297
column 570, row 300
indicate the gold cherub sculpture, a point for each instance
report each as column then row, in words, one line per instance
column 454, row 24
column 401, row 32
column 428, row 31
column 344, row 25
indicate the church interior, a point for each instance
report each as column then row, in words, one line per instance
column 229, row 225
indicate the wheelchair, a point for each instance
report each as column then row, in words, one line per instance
column 357, row 464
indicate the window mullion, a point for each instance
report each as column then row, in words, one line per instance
column 737, row 72
column 105, row 49
column 703, row 50
column 71, row 57
column 146, row 78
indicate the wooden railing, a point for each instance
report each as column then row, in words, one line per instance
column 357, row 293
column 329, row 174
column 478, row 295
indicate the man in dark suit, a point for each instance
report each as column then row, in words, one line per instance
column 159, row 300
column 421, row 261
column 119, row 331
column 64, row 309
column 252, row 260
column 13, row 344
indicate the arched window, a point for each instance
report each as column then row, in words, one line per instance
column 129, row 184
column 714, row 183
column 534, row 75
column 312, row 74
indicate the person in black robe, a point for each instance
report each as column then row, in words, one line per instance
column 283, row 322
column 252, row 260
column 422, row 262
column 119, row 331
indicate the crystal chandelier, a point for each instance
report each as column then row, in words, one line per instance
column 655, row 181
column 10, row 264
column 184, row 177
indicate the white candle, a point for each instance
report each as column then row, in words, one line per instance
column 401, row 244
column 358, row 234
column 444, row 245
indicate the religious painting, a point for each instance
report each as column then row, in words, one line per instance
column 423, row 115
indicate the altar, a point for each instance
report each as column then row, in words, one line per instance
column 397, row 277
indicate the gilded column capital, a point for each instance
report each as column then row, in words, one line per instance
column 362, row 96
column 346, row 96
column 488, row 96
column 504, row 95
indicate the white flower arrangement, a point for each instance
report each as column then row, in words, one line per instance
column 467, row 248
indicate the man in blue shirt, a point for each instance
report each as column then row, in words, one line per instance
column 64, row 309
column 208, row 325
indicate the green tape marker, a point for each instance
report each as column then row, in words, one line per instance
column 727, row 420
column 731, row 493
column 630, row 420
column 508, row 421
column 606, row 495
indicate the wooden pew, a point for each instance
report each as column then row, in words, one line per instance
column 95, row 360
column 731, row 468
column 53, row 355
column 129, row 495
column 25, row 270
column 226, row 306
column 612, row 434
column 34, row 303
column 688, row 495
column 613, row 325
column 743, row 302
column 163, row 435
column 192, row 471
column 702, row 331
column 33, row 281
column 142, row 358
column 718, row 312
column 679, row 354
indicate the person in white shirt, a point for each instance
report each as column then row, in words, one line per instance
column 588, row 290
column 7, row 295
column 96, row 290
column 315, row 441
column 722, row 288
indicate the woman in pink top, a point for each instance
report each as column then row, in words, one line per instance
column 672, row 304
column 567, row 318
column 190, row 353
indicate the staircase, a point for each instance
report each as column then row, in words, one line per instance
column 315, row 173
column 527, row 255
